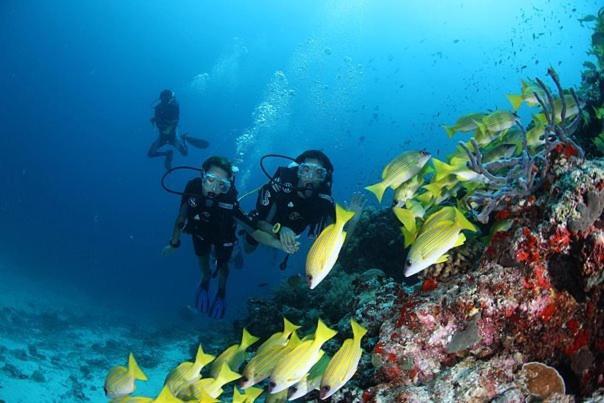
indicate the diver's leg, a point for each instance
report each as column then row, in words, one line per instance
column 202, row 295
column 181, row 144
column 154, row 153
column 223, row 254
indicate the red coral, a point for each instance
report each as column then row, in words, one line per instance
column 429, row 285
column 503, row 214
column 528, row 249
column 407, row 316
column 541, row 276
column 547, row 312
column 566, row 150
column 560, row 240
column 572, row 325
column 368, row 395
column 580, row 340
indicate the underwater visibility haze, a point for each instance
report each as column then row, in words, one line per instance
column 430, row 263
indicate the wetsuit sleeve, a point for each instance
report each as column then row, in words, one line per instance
column 243, row 219
column 264, row 203
column 189, row 191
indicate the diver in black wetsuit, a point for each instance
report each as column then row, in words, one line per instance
column 209, row 211
column 165, row 118
column 297, row 197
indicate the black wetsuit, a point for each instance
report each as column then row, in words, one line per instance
column 166, row 115
column 279, row 202
column 212, row 221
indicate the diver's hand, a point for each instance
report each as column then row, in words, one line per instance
column 168, row 250
column 357, row 204
column 288, row 240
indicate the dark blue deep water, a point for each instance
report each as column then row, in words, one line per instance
column 82, row 212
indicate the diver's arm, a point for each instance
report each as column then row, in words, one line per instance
column 177, row 230
column 257, row 230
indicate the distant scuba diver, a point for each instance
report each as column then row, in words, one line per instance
column 209, row 211
column 165, row 118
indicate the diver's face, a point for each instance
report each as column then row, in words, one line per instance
column 311, row 172
column 215, row 182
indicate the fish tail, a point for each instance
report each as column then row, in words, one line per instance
column 463, row 222
column 201, row 358
column 450, row 130
column 323, row 333
column 343, row 215
column 358, row 331
column 515, row 100
column 247, row 339
column 378, row 190
column 294, row 340
column 289, row 327
column 442, row 169
column 406, row 217
column 134, row 370
column 165, row 396
column 227, row 375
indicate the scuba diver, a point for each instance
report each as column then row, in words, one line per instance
column 296, row 197
column 209, row 212
column 165, row 118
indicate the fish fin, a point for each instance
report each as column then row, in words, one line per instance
column 450, row 130
column 435, row 189
column 442, row 169
column 323, row 333
column 239, row 397
column 227, row 375
column 442, row 259
column 201, row 358
column 358, row 331
column 482, row 128
column 461, row 239
column 134, row 369
column 406, row 217
column 408, row 236
column 294, row 340
column 378, row 190
column 247, row 339
column 343, row 215
column 165, row 396
column 463, row 222
column 515, row 100
column 289, row 327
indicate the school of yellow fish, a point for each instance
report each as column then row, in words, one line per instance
column 290, row 367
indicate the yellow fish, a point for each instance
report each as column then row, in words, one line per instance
column 165, row 396
column 187, row 372
column 120, row 380
column 212, row 387
column 261, row 365
column 527, row 95
column 279, row 338
column 344, row 363
column 465, row 123
column 407, row 190
column 494, row 123
column 234, row 355
column 324, row 251
column 295, row 364
column 277, row 397
column 399, row 170
column 249, row 396
column 439, row 233
column 310, row 381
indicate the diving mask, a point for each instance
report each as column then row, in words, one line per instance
column 215, row 183
column 312, row 172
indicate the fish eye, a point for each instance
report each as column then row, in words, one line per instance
column 408, row 262
column 325, row 388
column 272, row 385
column 309, row 277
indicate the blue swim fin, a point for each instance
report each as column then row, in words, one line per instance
column 202, row 298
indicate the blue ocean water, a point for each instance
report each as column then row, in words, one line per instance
column 81, row 209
